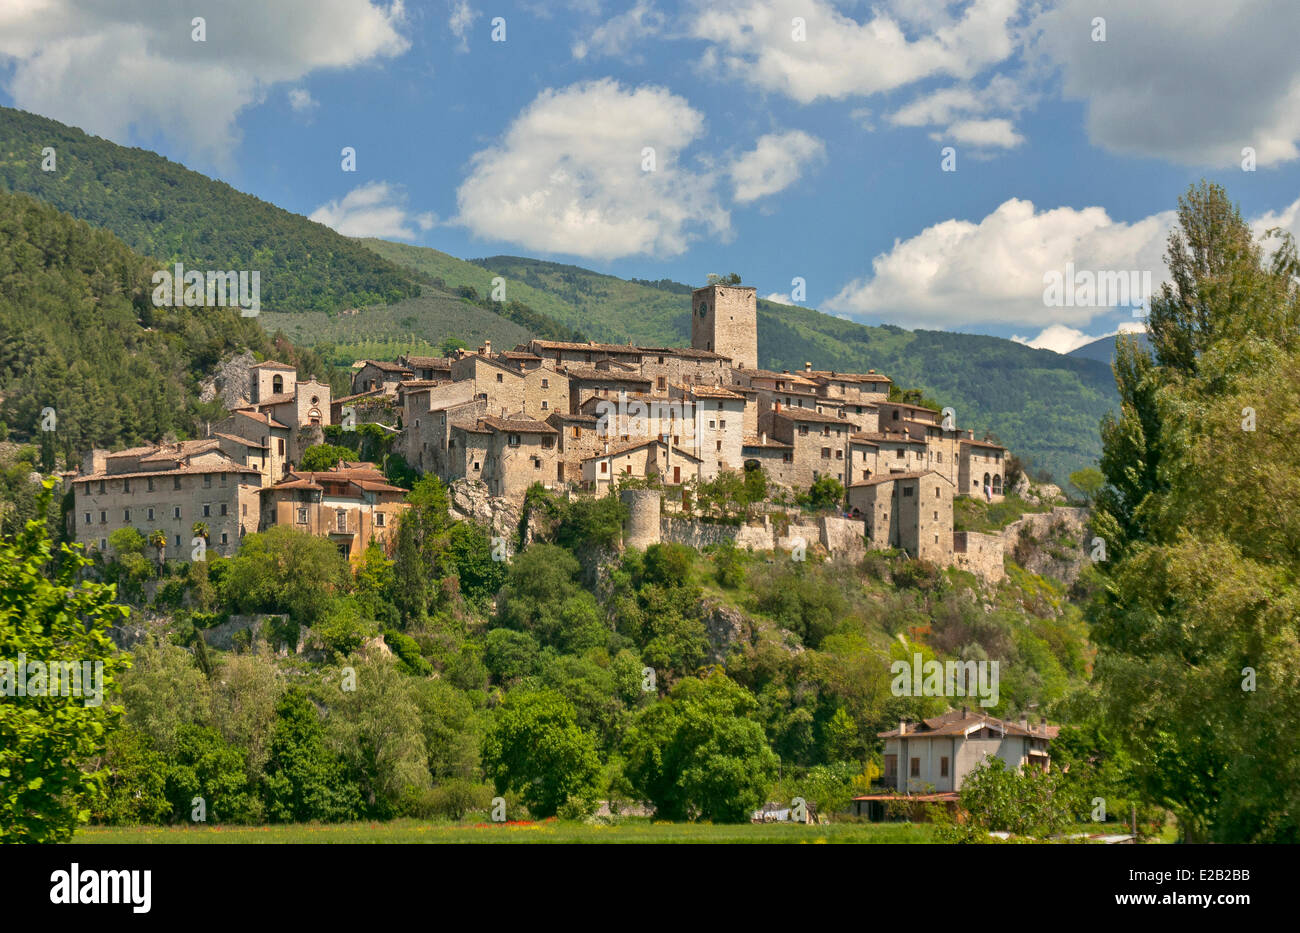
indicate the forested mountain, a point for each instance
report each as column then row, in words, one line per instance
column 164, row 210
column 79, row 334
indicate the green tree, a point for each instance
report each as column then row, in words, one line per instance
column 50, row 614
column 698, row 754
column 305, row 780
column 1196, row 620
column 1088, row 481
column 535, row 748
column 826, row 492
column 322, row 457
column 285, row 570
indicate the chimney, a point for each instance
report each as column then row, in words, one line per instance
column 807, row 366
column 965, row 712
column 871, row 371
column 487, row 347
column 1024, row 723
column 902, row 727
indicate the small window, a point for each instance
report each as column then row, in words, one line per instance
column 379, row 519
column 476, row 466
column 546, row 383
column 149, row 484
column 826, row 453
column 916, row 767
column 126, row 515
column 943, row 766
column 223, row 509
column 225, row 538
column 178, row 540
column 545, row 405
column 176, row 512
column 126, row 485
column 102, row 486
column 907, row 491
column 512, row 440
column 500, row 377
column 604, row 467
column 302, row 516
column 176, row 482
column 207, row 481
column 87, row 518
column 103, row 518
column 151, row 515
column 207, row 510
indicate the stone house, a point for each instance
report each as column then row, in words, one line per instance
column 909, row 511
column 982, row 469
column 507, row 454
column 166, row 488
column 577, row 438
column 937, row 754
column 639, row 460
column 352, row 504
column 718, row 435
column 378, row 374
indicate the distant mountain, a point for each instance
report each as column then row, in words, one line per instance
column 1040, row 404
column 1103, row 349
column 165, row 211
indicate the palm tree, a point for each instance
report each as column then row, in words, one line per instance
column 158, row 539
column 200, row 530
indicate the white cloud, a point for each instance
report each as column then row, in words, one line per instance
column 301, row 101
column 775, row 163
column 997, row 133
column 841, row 57
column 460, row 20
column 613, row 37
column 375, row 209
column 113, row 69
column 1061, row 339
column 567, row 176
column 781, row 298
column 958, row 273
column 1193, row 81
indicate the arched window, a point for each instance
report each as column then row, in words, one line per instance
column 997, row 485
column 277, row 384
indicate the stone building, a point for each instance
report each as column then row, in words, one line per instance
column 167, row 488
column 910, row 511
column 724, row 320
column 982, row 470
column 352, row 504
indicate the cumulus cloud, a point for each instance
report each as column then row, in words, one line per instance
column 1061, row 339
column 117, row 68
column 375, row 209
column 895, row 45
column 616, row 35
column 569, row 176
column 964, row 113
column 960, row 273
column 781, row 298
column 1193, row 81
column 775, row 163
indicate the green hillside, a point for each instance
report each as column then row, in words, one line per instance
column 79, row 334
column 1044, row 406
column 162, row 209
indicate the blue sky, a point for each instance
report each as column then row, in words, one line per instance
column 791, row 138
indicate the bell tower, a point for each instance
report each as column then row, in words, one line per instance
column 724, row 319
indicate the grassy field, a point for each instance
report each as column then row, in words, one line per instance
column 549, row 831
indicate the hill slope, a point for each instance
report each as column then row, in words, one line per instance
column 1103, row 350
column 1044, row 406
column 164, row 210
column 79, row 334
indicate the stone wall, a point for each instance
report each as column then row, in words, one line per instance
column 979, row 554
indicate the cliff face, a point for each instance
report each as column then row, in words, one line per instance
column 1052, row 544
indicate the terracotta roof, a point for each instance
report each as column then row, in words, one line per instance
column 240, row 440
column 187, row 470
column 256, row 415
column 131, row 452
column 427, row 362
column 586, row 347
column 518, row 425
column 602, row 375
column 770, row 442
column 387, row 367
column 890, row 477
column 279, row 399
column 886, row 437
column 704, row 391
column 688, row 352
column 520, row 355
column 963, row 721
column 810, row 414
column 637, row 445
column 565, row 416
column 832, row 376
column 272, row 364
column 769, row 374
column 933, row 411
column 974, row 443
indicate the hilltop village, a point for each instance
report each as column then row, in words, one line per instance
column 579, row 417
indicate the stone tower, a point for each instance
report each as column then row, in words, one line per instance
column 724, row 319
column 642, row 527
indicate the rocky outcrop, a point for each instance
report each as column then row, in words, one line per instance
column 726, row 628
column 231, row 382
column 1051, row 544
column 471, row 501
